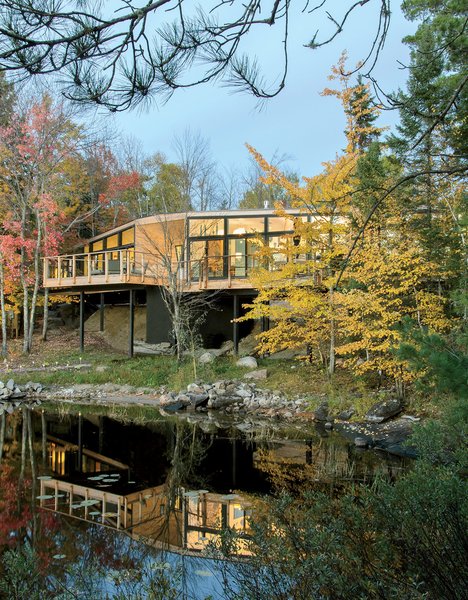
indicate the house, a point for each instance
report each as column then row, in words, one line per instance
column 194, row 252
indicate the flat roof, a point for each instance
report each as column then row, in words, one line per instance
column 261, row 212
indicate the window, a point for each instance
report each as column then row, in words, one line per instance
column 279, row 246
column 243, row 225
column 128, row 236
column 242, row 256
column 206, row 227
column 97, row 246
column 280, row 223
column 113, row 241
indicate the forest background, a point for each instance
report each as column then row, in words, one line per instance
column 383, row 262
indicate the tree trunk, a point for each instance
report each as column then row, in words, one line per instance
column 331, row 360
column 3, row 310
column 45, row 322
column 37, row 277
column 32, row 459
column 24, row 284
column 23, row 445
column 32, row 456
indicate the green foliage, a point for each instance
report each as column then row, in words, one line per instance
column 21, row 578
column 406, row 539
column 440, row 363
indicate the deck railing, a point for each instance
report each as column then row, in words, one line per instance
column 129, row 266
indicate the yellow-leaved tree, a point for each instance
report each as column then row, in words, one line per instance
column 359, row 315
column 386, row 283
column 296, row 281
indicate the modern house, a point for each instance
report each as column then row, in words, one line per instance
column 191, row 253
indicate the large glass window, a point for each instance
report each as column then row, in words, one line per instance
column 280, row 224
column 128, row 236
column 242, row 256
column 206, row 227
column 206, row 257
column 279, row 254
column 243, row 225
column 96, row 246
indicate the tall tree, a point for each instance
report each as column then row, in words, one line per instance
column 167, row 189
column 32, row 149
column 299, row 297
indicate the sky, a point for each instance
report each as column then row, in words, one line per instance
column 299, row 123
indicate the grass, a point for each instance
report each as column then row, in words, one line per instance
column 292, row 378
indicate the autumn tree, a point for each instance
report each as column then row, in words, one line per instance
column 166, row 186
column 299, row 297
column 32, row 149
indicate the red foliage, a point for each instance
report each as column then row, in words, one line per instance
column 15, row 512
column 119, row 185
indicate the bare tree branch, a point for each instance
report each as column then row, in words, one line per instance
column 117, row 54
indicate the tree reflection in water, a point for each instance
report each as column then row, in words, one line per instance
column 80, row 495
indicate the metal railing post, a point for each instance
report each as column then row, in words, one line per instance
column 106, row 266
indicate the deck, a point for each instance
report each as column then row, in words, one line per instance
column 106, row 270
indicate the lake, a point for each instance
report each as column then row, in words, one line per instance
column 113, row 499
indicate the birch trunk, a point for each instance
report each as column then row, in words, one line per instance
column 37, row 276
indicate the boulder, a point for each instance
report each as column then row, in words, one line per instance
column 288, row 354
column 226, row 348
column 206, row 358
column 197, row 400
column 184, row 398
column 166, row 399
column 242, row 393
column 382, row 411
column 10, row 384
column 143, row 348
column 174, row 407
column 248, row 362
column 223, row 401
column 346, row 414
column 248, row 344
column 194, row 388
column 321, row 413
column 257, row 375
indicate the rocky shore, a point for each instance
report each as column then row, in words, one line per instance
column 383, row 427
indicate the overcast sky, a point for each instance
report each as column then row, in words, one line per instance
column 299, row 122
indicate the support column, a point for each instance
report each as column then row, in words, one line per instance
column 101, row 313
column 81, row 322
column 80, row 442
column 265, row 324
column 235, row 325
column 131, row 327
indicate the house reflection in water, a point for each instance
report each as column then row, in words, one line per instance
column 103, row 493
